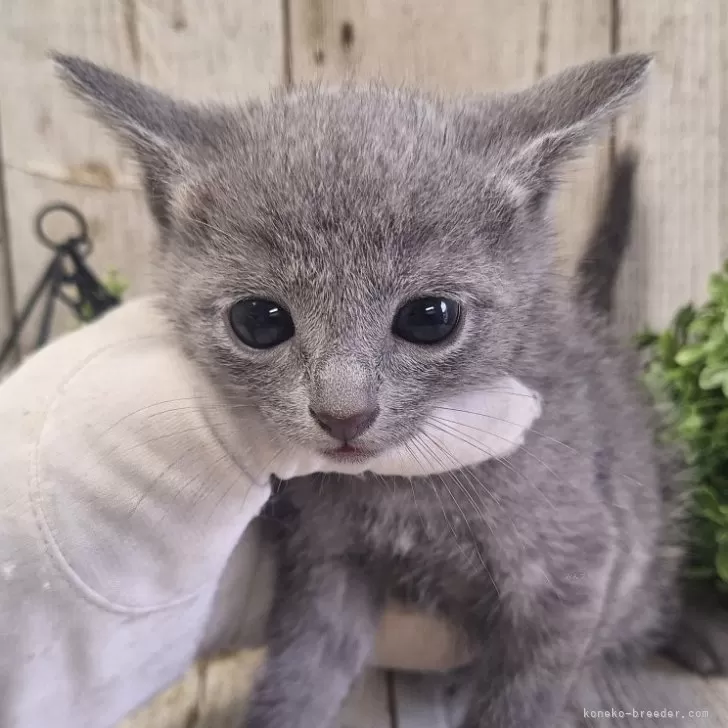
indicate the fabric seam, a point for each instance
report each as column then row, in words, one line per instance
column 52, row 547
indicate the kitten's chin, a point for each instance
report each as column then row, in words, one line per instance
column 349, row 454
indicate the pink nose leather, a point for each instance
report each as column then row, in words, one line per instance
column 345, row 428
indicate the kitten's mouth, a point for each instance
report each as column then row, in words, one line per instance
column 349, row 453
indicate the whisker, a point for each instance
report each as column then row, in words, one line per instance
column 269, row 466
column 477, row 445
column 508, row 422
column 189, row 481
column 507, row 391
column 461, row 486
column 384, row 482
column 202, row 407
column 475, row 541
column 144, row 409
column 225, row 495
column 230, row 465
column 465, row 472
column 140, row 410
column 452, row 432
column 453, row 423
column 530, row 429
column 415, row 443
column 476, row 485
column 413, row 455
column 149, row 441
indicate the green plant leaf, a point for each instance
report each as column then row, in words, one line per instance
column 682, row 320
column 699, row 327
column 717, row 287
column 645, row 339
column 708, row 506
column 691, row 425
column 705, row 498
column 689, row 355
column 721, row 561
column 686, row 374
column 713, row 377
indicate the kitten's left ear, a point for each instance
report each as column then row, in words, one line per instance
column 167, row 137
column 536, row 130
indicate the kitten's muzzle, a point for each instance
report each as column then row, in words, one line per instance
column 348, row 428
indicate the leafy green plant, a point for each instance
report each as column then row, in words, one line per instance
column 687, row 375
column 114, row 283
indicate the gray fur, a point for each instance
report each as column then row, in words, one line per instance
column 599, row 266
column 342, row 205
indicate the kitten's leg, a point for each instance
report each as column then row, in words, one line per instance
column 529, row 668
column 322, row 630
column 532, row 696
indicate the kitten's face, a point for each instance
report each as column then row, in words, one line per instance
column 365, row 241
column 346, row 261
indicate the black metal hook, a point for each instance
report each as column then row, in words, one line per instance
column 67, row 267
column 81, row 239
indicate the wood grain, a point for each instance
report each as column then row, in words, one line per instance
column 7, row 282
column 53, row 152
column 681, row 226
column 231, row 50
column 219, row 50
column 576, row 31
column 225, row 687
column 465, row 45
column 177, row 707
column 227, row 684
column 214, row 695
column 367, row 705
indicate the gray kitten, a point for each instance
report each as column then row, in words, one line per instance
column 346, row 262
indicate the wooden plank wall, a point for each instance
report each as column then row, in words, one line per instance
column 51, row 151
column 682, row 134
column 240, row 48
column 225, row 49
column 461, row 46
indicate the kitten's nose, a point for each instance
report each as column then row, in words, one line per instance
column 345, row 428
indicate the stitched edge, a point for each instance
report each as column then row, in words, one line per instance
column 41, row 520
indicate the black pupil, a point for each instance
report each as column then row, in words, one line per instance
column 261, row 324
column 427, row 320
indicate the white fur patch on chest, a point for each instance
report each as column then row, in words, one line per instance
column 468, row 429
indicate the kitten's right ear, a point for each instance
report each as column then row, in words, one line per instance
column 533, row 132
column 163, row 134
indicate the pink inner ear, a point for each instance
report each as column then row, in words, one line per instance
column 533, row 167
column 532, row 132
column 193, row 199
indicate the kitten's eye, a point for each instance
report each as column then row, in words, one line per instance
column 426, row 320
column 261, row 324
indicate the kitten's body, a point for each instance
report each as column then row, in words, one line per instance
column 540, row 575
column 340, row 208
